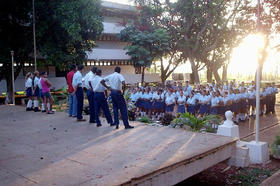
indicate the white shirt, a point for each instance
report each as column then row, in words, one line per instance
column 203, row 99
column 181, row 99
column 28, row 83
column 133, row 97
column 96, row 84
column 191, row 101
column 170, row 99
column 77, row 79
column 39, row 84
column 115, row 80
column 215, row 101
column 36, row 82
column 148, row 96
column 88, row 77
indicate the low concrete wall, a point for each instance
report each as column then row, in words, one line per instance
column 57, row 83
column 273, row 180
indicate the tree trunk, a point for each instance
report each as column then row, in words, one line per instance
column 194, row 71
column 143, row 75
column 224, row 75
column 163, row 78
column 216, row 75
column 209, row 74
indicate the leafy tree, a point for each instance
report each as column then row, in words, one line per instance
column 65, row 30
column 145, row 46
column 198, row 22
column 73, row 26
column 16, row 35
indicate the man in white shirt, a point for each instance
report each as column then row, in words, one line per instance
column 78, row 90
column 115, row 80
column 90, row 94
column 100, row 100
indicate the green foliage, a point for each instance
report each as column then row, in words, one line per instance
column 275, row 147
column 73, row 26
column 196, row 124
column 145, row 46
column 145, row 119
column 251, row 177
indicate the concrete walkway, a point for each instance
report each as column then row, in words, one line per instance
column 41, row 149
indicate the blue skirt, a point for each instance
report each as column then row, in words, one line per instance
column 148, row 105
column 203, row 109
column 29, row 92
column 213, row 110
column 170, row 108
column 221, row 110
column 191, row 109
column 36, row 92
column 139, row 103
column 252, row 102
column 234, row 107
column 181, row 109
column 158, row 105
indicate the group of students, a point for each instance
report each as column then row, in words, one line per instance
column 37, row 86
column 205, row 99
column 97, row 89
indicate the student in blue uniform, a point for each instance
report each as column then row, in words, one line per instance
column 28, row 90
column 36, row 91
column 118, row 86
column 204, row 102
column 181, row 100
column 90, row 94
column 252, row 102
column 214, row 103
column 78, row 90
column 191, row 102
column 170, row 102
column 147, row 101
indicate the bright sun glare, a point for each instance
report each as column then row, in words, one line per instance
column 245, row 57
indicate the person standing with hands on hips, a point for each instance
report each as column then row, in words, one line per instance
column 115, row 80
column 78, row 90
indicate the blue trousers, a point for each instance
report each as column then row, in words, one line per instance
column 119, row 104
column 72, row 102
column 80, row 102
column 101, row 102
column 90, row 96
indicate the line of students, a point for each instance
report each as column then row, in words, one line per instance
column 97, row 94
column 37, row 86
column 204, row 99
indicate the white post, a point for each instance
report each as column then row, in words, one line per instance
column 13, row 77
column 34, row 35
column 258, row 84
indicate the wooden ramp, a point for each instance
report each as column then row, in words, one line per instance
column 59, row 151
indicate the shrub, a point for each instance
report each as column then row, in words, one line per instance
column 145, row 119
column 166, row 120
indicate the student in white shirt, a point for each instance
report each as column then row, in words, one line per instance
column 78, row 90
column 169, row 102
column 28, row 90
column 181, row 100
column 90, row 94
column 117, row 85
column 203, row 101
column 100, row 101
column 36, row 91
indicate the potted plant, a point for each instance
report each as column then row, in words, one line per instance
column 275, row 148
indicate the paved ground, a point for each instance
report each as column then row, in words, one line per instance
column 41, row 149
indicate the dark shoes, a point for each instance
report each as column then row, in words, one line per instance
column 98, row 125
column 129, row 127
column 36, row 109
column 111, row 125
column 43, row 110
column 28, row 109
column 117, row 126
column 79, row 120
